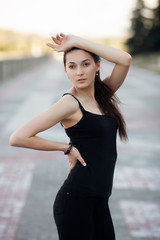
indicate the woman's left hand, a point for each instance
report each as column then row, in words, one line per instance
column 63, row 42
column 73, row 157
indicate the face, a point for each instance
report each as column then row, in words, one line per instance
column 81, row 68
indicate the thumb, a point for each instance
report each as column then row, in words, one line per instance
column 50, row 45
column 69, row 170
column 55, row 47
column 70, row 167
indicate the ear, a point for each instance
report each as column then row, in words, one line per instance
column 98, row 65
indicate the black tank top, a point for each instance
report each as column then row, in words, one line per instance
column 95, row 138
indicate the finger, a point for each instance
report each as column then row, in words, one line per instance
column 69, row 170
column 54, row 47
column 82, row 161
column 61, row 34
column 50, row 45
column 72, row 165
column 55, row 40
column 59, row 38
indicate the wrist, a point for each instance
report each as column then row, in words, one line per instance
column 65, row 147
column 68, row 149
column 85, row 44
column 78, row 42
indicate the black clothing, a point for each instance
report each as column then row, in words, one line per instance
column 95, row 138
column 82, row 218
column 81, row 207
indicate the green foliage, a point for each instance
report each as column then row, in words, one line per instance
column 13, row 44
column 145, row 29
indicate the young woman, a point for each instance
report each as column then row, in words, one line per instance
column 90, row 115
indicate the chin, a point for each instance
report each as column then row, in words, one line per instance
column 83, row 85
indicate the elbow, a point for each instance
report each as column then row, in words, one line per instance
column 15, row 140
column 128, row 60
column 12, row 141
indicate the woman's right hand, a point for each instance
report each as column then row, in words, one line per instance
column 63, row 42
column 73, row 156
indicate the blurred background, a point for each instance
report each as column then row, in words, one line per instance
column 32, row 78
column 132, row 25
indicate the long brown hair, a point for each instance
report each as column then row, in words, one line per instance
column 106, row 98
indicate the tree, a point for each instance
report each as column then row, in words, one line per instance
column 145, row 29
column 153, row 38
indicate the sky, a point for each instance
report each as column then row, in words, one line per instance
column 92, row 18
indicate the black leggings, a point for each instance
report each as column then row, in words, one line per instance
column 80, row 217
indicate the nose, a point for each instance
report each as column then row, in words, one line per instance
column 79, row 71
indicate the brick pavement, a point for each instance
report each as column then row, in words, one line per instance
column 16, row 174
column 30, row 179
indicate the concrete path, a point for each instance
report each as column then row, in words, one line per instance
column 29, row 179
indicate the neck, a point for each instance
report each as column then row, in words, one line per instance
column 86, row 93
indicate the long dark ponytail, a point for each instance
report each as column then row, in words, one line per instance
column 106, row 98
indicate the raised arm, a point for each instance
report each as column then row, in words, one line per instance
column 121, row 58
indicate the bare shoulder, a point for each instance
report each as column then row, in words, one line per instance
column 67, row 104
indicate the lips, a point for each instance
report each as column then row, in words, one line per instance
column 81, row 79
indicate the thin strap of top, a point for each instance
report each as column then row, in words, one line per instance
column 76, row 99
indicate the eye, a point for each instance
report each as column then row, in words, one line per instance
column 86, row 64
column 71, row 66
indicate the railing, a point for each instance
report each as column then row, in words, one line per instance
column 12, row 67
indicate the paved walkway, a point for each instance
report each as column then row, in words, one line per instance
column 29, row 179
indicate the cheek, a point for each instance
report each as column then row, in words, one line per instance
column 91, row 69
column 71, row 75
column 91, row 72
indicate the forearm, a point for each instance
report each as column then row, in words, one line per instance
column 110, row 54
column 39, row 143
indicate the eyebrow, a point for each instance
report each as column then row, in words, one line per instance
column 82, row 61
